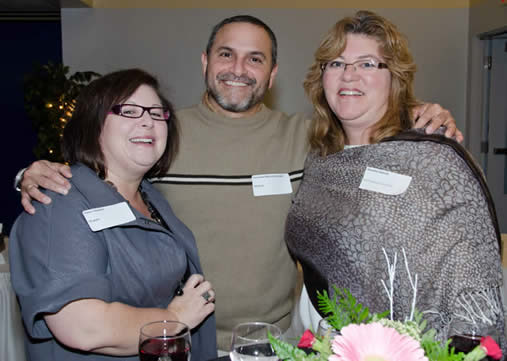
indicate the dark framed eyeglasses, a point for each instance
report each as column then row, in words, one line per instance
column 137, row 111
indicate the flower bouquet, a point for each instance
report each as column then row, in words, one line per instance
column 373, row 337
column 363, row 336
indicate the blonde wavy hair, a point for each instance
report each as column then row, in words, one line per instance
column 327, row 135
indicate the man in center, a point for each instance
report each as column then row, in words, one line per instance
column 230, row 137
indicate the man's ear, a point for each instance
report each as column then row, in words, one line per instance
column 204, row 62
column 272, row 76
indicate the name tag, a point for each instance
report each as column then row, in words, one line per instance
column 385, row 182
column 271, row 184
column 108, row 216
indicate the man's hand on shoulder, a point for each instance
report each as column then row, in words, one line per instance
column 434, row 116
column 45, row 174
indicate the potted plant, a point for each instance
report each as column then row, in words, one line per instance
column 50, row 95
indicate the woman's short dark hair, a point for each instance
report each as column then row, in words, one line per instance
column 81, row 136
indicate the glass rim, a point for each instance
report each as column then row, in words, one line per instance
column 324, row 323
column 185, row 329
column 269, row 326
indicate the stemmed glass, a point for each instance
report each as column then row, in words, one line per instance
column 465, row 336
column 250, row 342
column 164, row 341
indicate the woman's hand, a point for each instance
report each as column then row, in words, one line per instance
column 192, row 307
column 113, row 328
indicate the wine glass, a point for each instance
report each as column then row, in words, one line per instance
column 164, row 341
column 250, row 342
column 465, row 335
column 324, row 328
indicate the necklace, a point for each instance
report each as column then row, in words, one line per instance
column 154, row 214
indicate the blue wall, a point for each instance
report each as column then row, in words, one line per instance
column 22, row 43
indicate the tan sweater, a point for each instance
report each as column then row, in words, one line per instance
column 240, row 237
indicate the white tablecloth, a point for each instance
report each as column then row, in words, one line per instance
column 11, row 327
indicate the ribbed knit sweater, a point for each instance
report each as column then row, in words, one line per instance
column 240, row 237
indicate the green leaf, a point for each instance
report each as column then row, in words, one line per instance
column 286, row 351
column 343, row 309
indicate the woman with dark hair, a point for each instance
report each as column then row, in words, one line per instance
column 374, row 188
column 92, row 267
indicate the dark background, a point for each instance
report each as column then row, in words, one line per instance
column 22, row 43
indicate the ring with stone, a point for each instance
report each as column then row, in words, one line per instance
column 206, row 295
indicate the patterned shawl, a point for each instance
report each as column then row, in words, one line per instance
column 445, row 221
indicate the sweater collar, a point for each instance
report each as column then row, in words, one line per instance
column 219, row 119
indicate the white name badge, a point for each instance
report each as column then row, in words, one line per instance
column 385, row 182
column 271, row 184
column 108, row 216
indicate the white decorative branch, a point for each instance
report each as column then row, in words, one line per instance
column 413, row 284
column 391, row 272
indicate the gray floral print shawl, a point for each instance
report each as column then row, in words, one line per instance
column 444, row 221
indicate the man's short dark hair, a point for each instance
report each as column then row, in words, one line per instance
column 81, row 136
column 244, row 19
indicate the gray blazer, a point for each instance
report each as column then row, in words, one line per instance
column 56, row 259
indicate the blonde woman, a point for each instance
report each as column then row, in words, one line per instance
column 373, row 188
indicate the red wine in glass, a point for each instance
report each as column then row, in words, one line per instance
column 466, row 343
column 155, row 349
column 164, row 341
